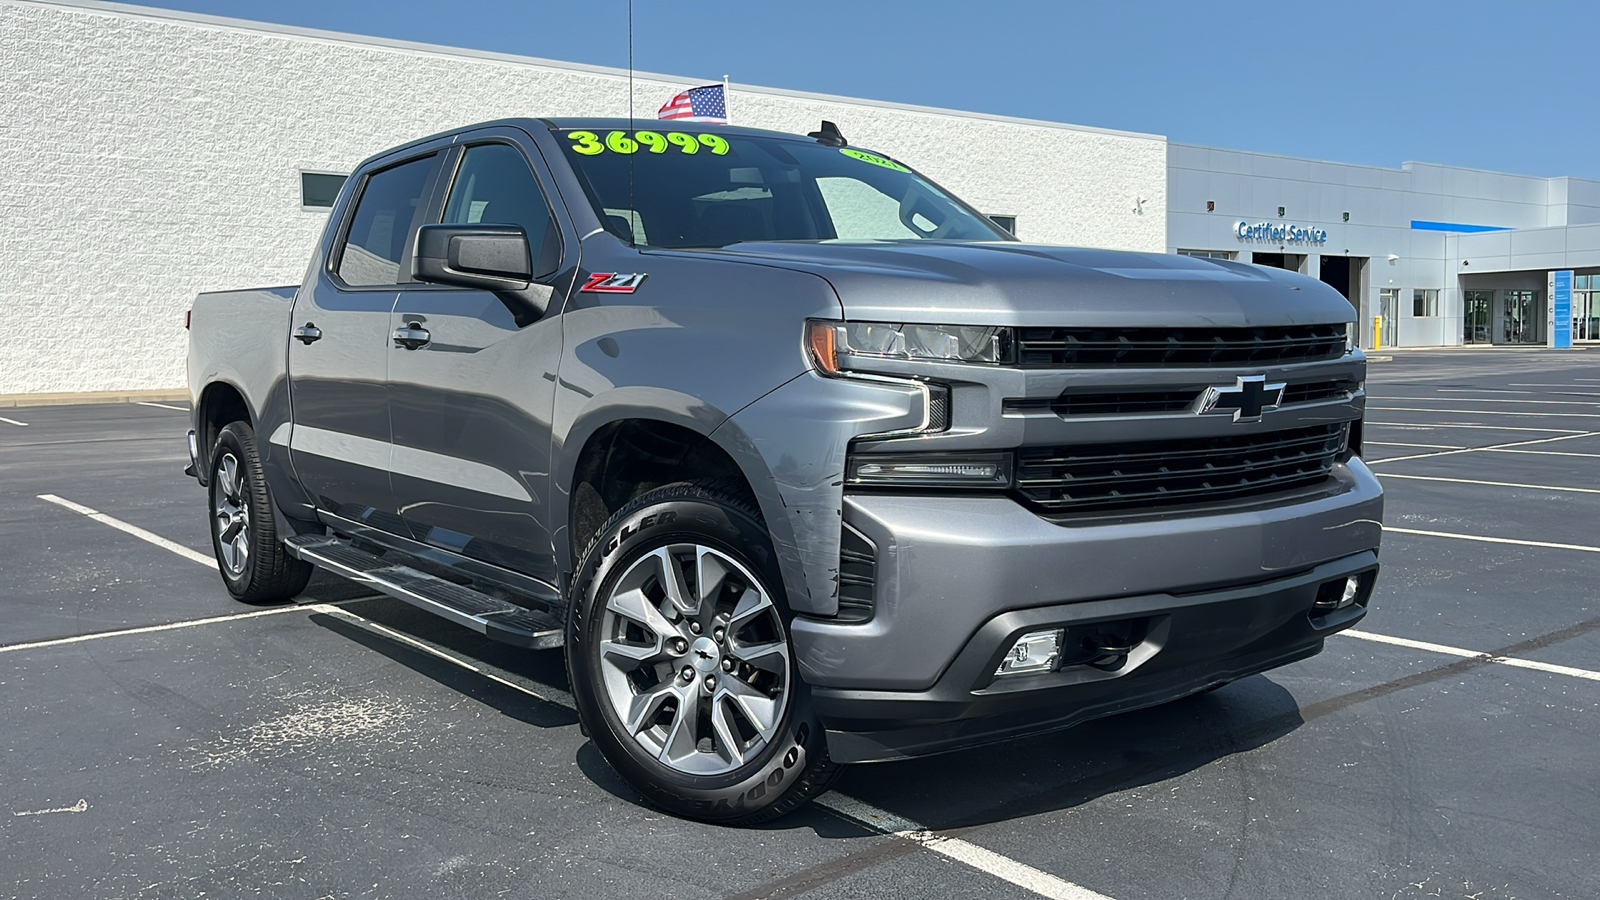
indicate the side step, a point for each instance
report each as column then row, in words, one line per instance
column 489, row 616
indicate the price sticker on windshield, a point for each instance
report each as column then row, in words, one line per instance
column 873, row 158
column 589, row 143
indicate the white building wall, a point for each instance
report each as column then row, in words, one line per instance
column 149, row 155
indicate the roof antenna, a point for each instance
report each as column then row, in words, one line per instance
column 829, row 134
column 632, row 215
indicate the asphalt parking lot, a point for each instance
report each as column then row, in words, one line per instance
column 160, row 741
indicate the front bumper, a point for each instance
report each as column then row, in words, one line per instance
column 959, row 577
column 1191, row 642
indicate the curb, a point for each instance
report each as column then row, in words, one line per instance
column 80, row 397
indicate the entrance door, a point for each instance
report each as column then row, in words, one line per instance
column 1477, row 315
column 1520, row 318
column 1389, row 317
column 1586, row 310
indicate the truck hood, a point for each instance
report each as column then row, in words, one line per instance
column 1028, row 284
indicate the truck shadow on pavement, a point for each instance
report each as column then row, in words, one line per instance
column 1009, row 780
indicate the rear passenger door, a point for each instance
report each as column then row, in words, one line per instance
column 338, row 354
column 471, row 405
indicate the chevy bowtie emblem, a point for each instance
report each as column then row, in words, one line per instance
column 1249, row 397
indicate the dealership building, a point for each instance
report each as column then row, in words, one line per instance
column 150, row 154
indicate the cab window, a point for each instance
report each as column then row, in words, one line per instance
column 383, row 217
column 494, row 186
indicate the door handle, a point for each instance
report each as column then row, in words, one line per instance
column 308, row 333
column 412, row 336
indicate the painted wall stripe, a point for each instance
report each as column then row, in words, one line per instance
column 134, row 530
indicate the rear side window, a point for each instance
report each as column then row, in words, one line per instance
column 382, row 221
column 495, row 187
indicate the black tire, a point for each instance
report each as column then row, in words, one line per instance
column 792, row 766
column 253, row 564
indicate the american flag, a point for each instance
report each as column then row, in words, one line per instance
column 699, row 104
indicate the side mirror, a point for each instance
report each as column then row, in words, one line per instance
column 486, row 257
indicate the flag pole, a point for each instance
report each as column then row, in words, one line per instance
column 727, row 107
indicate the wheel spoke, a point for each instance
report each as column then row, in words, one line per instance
column 645, row 706
column 636, row 606
column 683, row 736
column 671, row 576
column 771, row 657
column 234, row 526
column 762, row 711
column 752, row 603
column 230, row 478
column 632, row 656
column 727, row 739
column 241, row 549
column 711, row 572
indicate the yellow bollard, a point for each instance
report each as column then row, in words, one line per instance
column 1377, row 332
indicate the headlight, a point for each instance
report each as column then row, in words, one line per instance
column 981, row 344
column 945, row 470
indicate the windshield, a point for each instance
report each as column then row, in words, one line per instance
column 710, row 190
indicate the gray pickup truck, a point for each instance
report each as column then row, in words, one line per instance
column 803, row 461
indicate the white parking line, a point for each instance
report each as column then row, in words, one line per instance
column 1535, row 665
column 1398, row 444
column 13, row 422
column 1546, row 384
column 171, row 626
column 1539, row 452
column 1492, row 540
column 1494, row 400
column 1510, row 484
column 1563, row 437
column 134, row 530
column 1003, row 867
column 1466, row 425
column 1486, row 412
column 161, row 405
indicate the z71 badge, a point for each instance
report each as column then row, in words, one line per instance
column 613, row 282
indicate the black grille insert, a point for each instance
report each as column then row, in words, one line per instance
column 858, row 576
column 1164, row 347
column 1140, row 474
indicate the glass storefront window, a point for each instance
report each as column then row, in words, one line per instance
column 1424, row 303
column 1522, row 314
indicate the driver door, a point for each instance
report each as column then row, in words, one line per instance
column 470, row 390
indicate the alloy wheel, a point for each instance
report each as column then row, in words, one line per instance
column 694, row 659
column 231, row 515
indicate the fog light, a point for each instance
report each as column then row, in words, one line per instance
column 1036, row 651
column 1333, row 595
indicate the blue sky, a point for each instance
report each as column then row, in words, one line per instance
column 1510, row 86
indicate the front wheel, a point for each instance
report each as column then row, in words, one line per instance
column 680, row 662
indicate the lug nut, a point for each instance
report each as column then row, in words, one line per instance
column 716, row 634
column 688, row 674
column 679, row 646
column 727, row 665
column 711, row 683
column 694, row 627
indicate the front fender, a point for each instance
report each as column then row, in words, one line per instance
column 797, row 437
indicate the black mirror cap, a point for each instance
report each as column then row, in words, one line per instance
column 487, row 257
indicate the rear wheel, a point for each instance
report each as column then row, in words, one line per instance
column 680, row 660
column 253, row 563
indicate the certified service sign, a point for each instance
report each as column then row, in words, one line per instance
column 1274, row 233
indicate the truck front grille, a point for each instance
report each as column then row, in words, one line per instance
column 1142, row 474
column 1055, row 348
